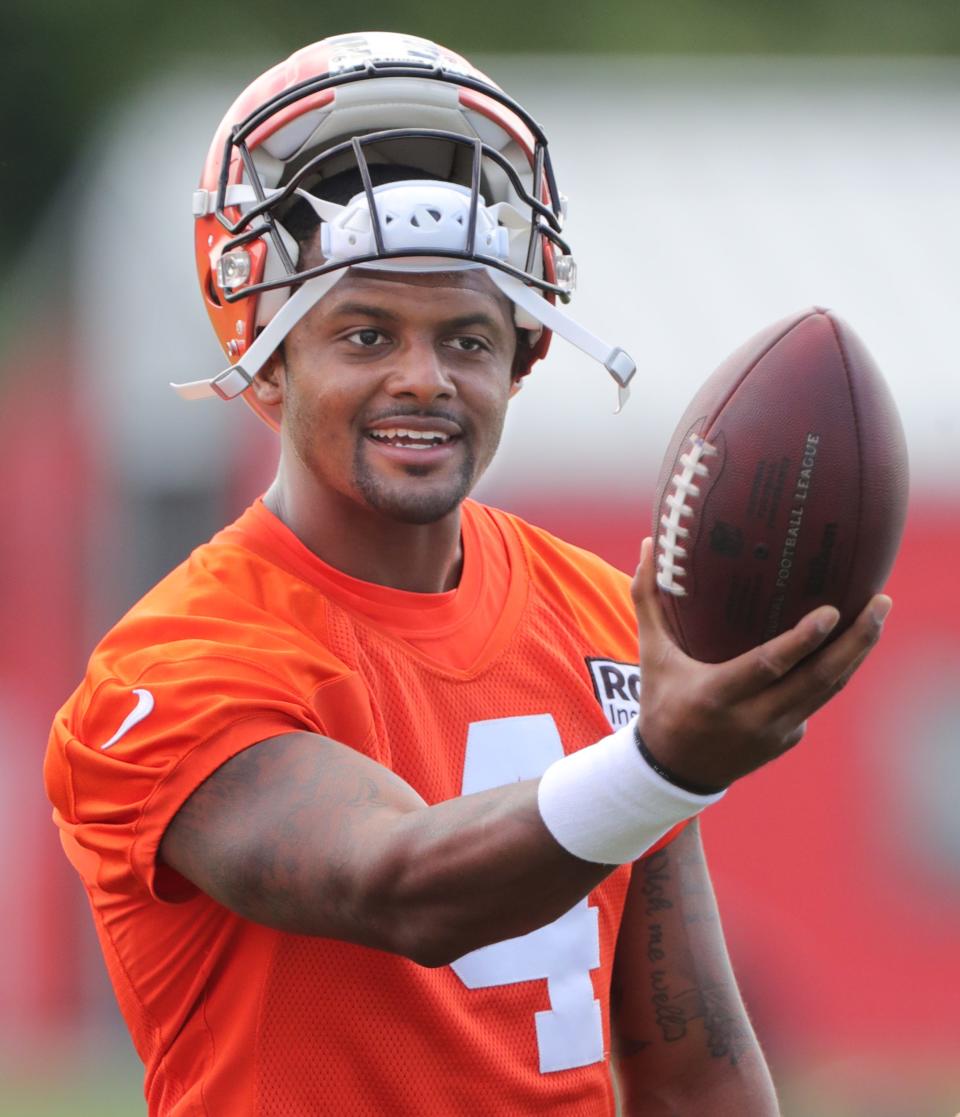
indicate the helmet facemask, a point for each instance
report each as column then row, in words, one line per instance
column 503, row 215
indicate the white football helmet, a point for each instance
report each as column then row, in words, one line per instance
column 484, row 196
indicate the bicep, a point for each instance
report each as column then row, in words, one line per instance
column 681, row 1032
column 282, row 832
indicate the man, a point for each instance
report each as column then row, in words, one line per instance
column 355, row 832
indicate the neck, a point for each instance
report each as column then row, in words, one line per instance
column 420, row 558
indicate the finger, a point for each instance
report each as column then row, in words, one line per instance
column 761, row 667
column 814, row 683
column 794, row 738
column 652, row 627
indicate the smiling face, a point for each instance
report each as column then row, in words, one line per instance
column 393, row 392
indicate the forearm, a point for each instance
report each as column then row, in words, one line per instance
column 471, row 871
column 309, row 836
column 684, row 1042
column 741, row 1089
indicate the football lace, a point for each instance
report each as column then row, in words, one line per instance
column 672, row 552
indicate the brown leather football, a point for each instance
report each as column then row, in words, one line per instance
column 784, row 488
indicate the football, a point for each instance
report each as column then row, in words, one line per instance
column 784, row 488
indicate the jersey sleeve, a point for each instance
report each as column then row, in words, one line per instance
column 126, row 752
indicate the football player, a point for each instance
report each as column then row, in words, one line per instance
column 358, row 836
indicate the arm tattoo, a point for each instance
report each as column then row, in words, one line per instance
column 655, row 880
column 367, row 792
column 728, row 1035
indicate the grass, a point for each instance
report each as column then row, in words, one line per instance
column 110, row 1085
column 108, row 1088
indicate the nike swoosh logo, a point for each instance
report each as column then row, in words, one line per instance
column 142, row 709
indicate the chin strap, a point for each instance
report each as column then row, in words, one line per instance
column 615, row 360
column 237, row 378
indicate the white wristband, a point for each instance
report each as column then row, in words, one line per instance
column 605, row 803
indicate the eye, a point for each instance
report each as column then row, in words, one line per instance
column 468, row 344
column 366, row 338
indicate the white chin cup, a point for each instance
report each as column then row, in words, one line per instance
column 417, row 216
column 606, row 804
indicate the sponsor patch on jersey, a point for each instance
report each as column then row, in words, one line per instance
column 617, row 687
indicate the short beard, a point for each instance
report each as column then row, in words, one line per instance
column 412, row 505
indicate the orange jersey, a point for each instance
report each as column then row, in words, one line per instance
column 255, row 636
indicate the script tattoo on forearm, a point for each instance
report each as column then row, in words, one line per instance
column 727, row 1033
column 670, row 1015
column 655, row 880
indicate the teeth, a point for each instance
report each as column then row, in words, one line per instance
column 401, row 434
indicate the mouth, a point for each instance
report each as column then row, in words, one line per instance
column 406, row 439
column 413, row 437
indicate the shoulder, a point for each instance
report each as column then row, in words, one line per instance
column 219, row 631
column 224, row 596
column 568, row 576
column 206, row 664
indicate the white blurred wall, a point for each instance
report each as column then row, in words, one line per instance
column 707, row 199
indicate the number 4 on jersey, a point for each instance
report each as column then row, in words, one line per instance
column 570, row 1033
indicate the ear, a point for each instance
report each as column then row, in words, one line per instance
column 516, row 384
column 268, row 384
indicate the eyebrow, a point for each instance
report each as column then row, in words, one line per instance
column 465, row 321
column 379, row 313
column 364, row 310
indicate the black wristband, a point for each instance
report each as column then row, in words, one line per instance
column 684, row 785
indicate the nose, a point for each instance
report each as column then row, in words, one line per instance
column 419, row 372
